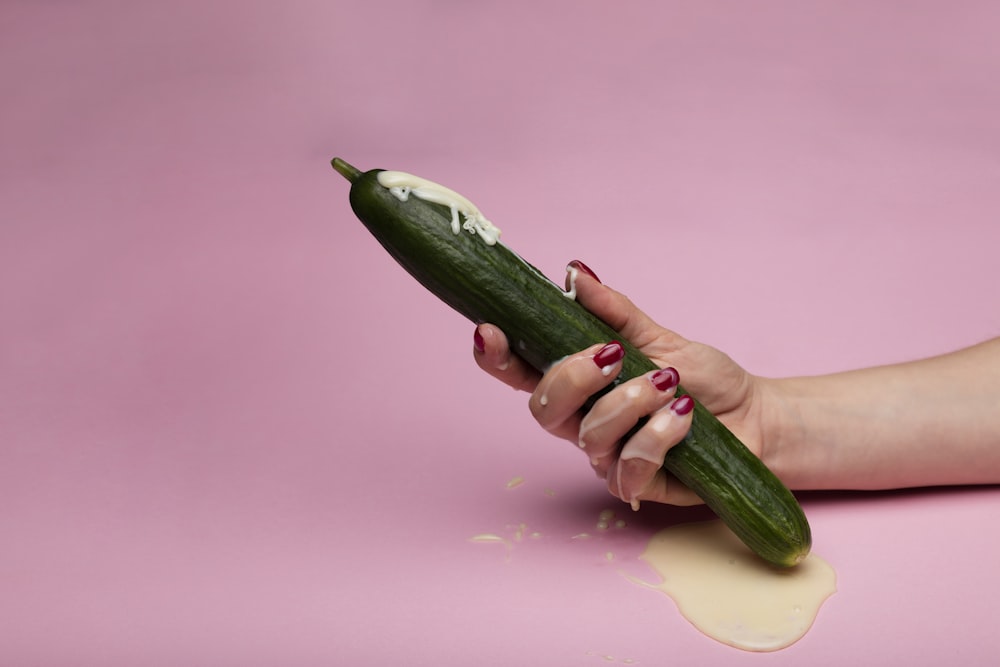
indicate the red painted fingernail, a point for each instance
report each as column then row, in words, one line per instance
column 682, row 405
column 583, row 268
column 665, row 379
column 609, row 355
column 478, row 342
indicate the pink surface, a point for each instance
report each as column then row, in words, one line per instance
column 233, row 432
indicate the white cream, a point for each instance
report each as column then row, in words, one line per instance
column 730, row 594
column 491, row 538
column 519, row 533
column 660, row 422
column 515, row 482
column 573, row 274
column 611, row 658
column 402, row 185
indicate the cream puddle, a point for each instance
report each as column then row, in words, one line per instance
column 730, row 594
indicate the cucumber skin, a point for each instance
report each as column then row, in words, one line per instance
column 494, row 284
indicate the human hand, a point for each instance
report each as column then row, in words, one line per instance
column 633, row 472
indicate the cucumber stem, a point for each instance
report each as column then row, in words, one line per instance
column 346, row 170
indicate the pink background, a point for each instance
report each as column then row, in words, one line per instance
column 233, row 432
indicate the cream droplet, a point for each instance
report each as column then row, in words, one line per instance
column 573, row 273
column 515, row 482
column 519, row 533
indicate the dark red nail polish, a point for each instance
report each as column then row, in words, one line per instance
column 478, row 342
column 583, row 268
column 609, row 355
column 665, row 379
column 682, row 405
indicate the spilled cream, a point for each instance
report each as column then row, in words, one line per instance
column 402, row 185
column 721, row 587
column 611, row 658
column 515, row 482
column 604, row 519
column 493, row 538
column 730, row 594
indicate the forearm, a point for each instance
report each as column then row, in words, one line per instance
column 929, row 422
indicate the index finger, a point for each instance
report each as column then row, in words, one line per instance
column 492, row 354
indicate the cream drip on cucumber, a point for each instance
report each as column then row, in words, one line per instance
column 464, row 214
column 573, row 273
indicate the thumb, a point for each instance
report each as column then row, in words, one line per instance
column 613, row 307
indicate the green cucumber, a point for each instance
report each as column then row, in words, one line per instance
column 446, row 244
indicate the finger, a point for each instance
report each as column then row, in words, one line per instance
column 616, row 413
column 638, row 473
column 613, row 307
column 565, row 388
column 492, row 353
column 664, row 488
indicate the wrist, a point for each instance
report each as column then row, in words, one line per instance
column 784, row 434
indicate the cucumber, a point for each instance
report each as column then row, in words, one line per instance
column 444, row 242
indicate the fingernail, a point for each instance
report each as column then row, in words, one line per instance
column 609, row 355
column 682, row 405
column 665, row 379
column 580, row 266
column 478, row 342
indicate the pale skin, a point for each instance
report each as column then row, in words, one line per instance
column 928, row 422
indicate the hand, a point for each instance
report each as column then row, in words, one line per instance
column 633, row 472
